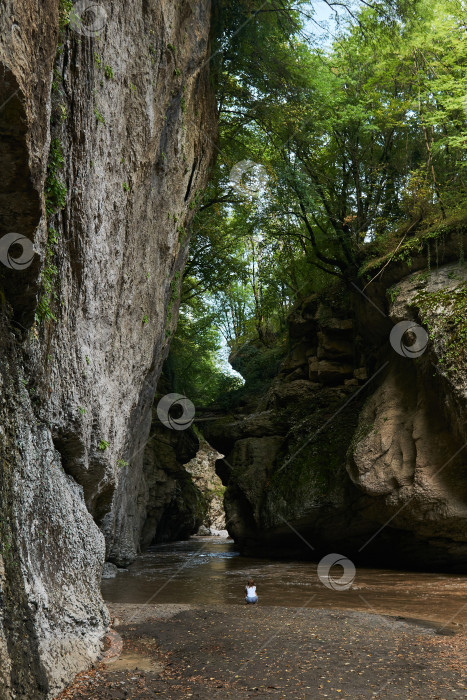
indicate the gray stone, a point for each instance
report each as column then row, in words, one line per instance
column 203, row 531
column 77, row 392
column 379, row 476
column 203, row 472
column 109, row 570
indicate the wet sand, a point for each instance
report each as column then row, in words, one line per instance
column 239, row 651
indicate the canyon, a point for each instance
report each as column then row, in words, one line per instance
column 108, row 130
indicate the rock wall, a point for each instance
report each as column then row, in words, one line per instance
column 202, row 468
column 171, row 505
column 106, row 140
column 356, row 448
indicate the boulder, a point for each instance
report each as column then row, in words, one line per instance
column 109, row 570
column 203, row 531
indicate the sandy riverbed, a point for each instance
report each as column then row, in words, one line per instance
column 186, row 651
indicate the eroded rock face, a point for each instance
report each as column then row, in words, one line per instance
column 130, row 118
column 53, row 617
column 203, row 472
column 367, row 456
column 171, row 507
column 409, row 448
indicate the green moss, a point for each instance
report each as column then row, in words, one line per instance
column 218, row 492
column 444, row 313
column 310, row 470
column 424, row 242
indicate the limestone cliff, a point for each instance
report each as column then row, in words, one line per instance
column 106, row 137
column 356, row 448
column 202, row 469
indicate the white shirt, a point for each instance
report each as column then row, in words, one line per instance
column 251, row 591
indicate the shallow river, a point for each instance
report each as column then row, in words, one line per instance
column 210, row 570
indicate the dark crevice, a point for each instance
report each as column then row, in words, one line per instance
column 193, row 170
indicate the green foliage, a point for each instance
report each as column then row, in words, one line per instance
column 193, row 366
column 362, row 145
column 121, row 464
column 108, row 72
column 103, row 445
column 49, row 279
column 393, row 293
column 99, row 116
column 258, row 365
column 145, row 320
column 398, row 247
column 64, row 9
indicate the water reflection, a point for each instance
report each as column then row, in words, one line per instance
column 210, row 570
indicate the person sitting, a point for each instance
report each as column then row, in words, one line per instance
column 250, row 591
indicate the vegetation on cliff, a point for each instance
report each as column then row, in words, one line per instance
column 335, row 157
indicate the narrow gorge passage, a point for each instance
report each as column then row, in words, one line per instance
column 233, row 349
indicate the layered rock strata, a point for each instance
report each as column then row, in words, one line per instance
column 354, row 447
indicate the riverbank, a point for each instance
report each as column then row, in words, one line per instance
column 182, row 651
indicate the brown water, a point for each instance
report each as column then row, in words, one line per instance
column 210, row 570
